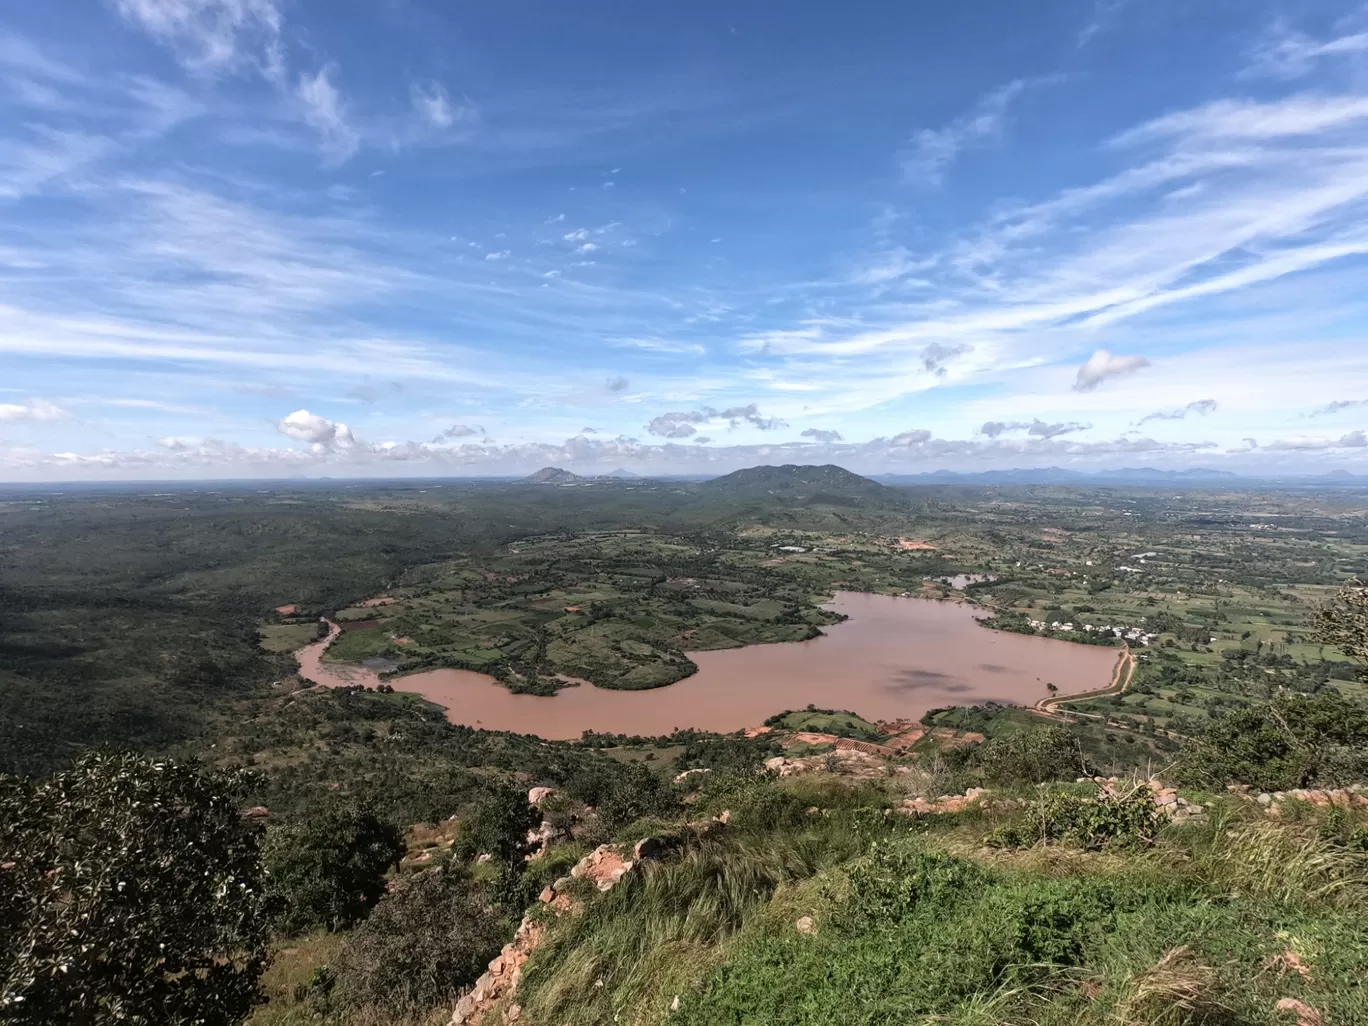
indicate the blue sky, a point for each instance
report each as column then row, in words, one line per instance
column 393, row 237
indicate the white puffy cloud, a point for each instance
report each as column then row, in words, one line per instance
column 1352, row 440
column 1103, row 365
column 34, row 409
column 1036, row 428
column 681, row 423
column 319, row 432
column 458, row 431
column 820, row 435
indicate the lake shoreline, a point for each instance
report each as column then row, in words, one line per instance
column 892, row 657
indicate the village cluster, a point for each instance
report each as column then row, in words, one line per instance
column 1134, row 635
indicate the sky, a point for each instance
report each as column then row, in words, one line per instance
column 382, row 238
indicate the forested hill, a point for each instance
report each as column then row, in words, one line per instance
column 791, row 478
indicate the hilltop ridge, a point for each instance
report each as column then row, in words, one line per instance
column 790, row 476
column 554, row 475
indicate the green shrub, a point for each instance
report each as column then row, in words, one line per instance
column 1294, row 741
column 625, row 794
column 421, row 945
column 329, row 870
column 130, row 892
column 498, row 827
column 1030, row 757
column 1109, row 819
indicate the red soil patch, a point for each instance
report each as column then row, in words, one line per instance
column 808, row 737
column 910, row 544
column 401, row 640
column 379, row 600
column 573, row 609
column 907, row 738
column 289, row 610
column 757, row 731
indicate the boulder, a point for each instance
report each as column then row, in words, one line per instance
column 605, row 866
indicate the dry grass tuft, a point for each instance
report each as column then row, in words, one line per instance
column 1176, row 989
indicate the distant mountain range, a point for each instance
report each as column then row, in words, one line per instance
column 1198, row 476
column 812, row 481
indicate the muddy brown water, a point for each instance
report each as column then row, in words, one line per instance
column 894, row 658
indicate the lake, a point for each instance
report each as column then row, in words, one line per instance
column 894, row 658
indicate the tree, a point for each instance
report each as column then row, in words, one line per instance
column 1343, row 621
column 130, row 893
column 498, row 828
column 329, row 870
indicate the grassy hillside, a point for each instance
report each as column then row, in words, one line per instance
column 820, row 901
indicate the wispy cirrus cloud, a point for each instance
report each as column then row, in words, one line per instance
column 1339, row 405
column 1200, row 408
column 322, row 107
column 932, row 151
column 1287, row 54
column 212, row 36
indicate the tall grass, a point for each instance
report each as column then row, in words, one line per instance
column 656, row 934
column 1194, row 930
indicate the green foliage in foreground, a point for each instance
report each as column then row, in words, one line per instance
column 420, row 946
column 329, row 869
column 130, row 892
column 1294, row 741
column 498, row 828
column 850, row 916
column 1090, row 822
column 1344, row 621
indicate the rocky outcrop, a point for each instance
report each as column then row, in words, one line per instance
column 604, row 867
column 1339, row 797
column 945, row 803
column 846, row 762
column 1170, row 803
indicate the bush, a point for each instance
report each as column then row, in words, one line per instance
column 329, row 870
column 130, row 892
column 1030, row 757
column 421, row 945
column 1107, row 820
column 624, row 795
column 1294, row 741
